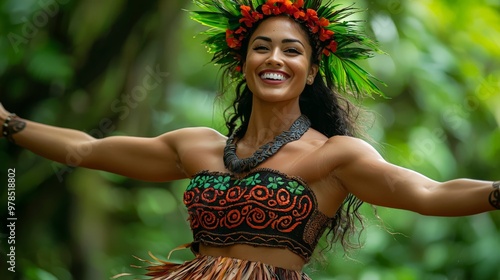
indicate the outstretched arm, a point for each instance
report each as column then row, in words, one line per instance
column 151, row 159
column 368, row 176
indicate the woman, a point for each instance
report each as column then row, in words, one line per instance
column 259, row 200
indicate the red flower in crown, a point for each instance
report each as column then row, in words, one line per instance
column 270, row 9
column 240, row 30
column 299, row 14
column 312, row 15
column 332, row 47
column 232, row 42
column 325, row 34
column 286, row 6
column 299, row 3
column 249, row 16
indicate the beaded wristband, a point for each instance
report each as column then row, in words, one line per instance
column 495, row 195
column 5, row 128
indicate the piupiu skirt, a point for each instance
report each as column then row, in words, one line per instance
column 221, row 268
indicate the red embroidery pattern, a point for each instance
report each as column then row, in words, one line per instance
column 257, row 206
column 264, row 208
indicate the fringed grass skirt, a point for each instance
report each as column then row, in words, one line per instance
column 221, row 268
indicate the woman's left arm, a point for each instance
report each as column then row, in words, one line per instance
column 364, row 173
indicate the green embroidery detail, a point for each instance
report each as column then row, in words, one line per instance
column 192, row 184
column 274, row 182
column 205, row 181
column 221, row 182
column 200, row 182
column 253, row 180
column 295, row 188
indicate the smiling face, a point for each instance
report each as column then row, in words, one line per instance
column 278, row 65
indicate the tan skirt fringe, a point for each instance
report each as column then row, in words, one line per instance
column 221, row 268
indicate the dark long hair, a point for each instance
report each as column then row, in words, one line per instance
column 329, row 112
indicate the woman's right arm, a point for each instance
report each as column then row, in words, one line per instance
column 150, row 159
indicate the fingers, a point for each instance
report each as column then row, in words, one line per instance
column 3, row 113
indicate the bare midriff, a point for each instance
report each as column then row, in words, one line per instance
column 277, row 257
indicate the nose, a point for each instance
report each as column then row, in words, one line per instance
column 275, row 58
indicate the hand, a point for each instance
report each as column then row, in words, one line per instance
column 3, row 115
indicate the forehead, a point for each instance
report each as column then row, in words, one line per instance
column 279, row 28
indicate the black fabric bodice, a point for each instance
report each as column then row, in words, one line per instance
column 264, row 208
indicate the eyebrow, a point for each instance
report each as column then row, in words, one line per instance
column 267, row 39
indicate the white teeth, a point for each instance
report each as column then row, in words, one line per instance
column 273, row 76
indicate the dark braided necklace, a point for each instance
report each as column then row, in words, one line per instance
column 237, row 165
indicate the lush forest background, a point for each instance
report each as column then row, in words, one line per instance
column 82, row 65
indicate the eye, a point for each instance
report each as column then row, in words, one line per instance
column 260, row 48
column 293, row 51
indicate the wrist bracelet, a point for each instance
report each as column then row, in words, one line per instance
column 495, row 195
column 6, row 132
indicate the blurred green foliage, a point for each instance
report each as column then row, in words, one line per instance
column 82, row 64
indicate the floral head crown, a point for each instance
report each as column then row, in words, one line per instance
column 308, row 17
column 339, row 41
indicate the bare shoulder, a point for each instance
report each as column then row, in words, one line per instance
column 203, row 140
column 348, row 142
column 196, row 132
column 196, row 148
column 191, row 135
column 347, row 149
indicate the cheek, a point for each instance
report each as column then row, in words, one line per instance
column 252, row 62
column 301, row 68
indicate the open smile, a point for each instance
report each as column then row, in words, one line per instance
column 273, row 76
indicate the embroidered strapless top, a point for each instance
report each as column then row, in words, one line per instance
column 264, row 208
